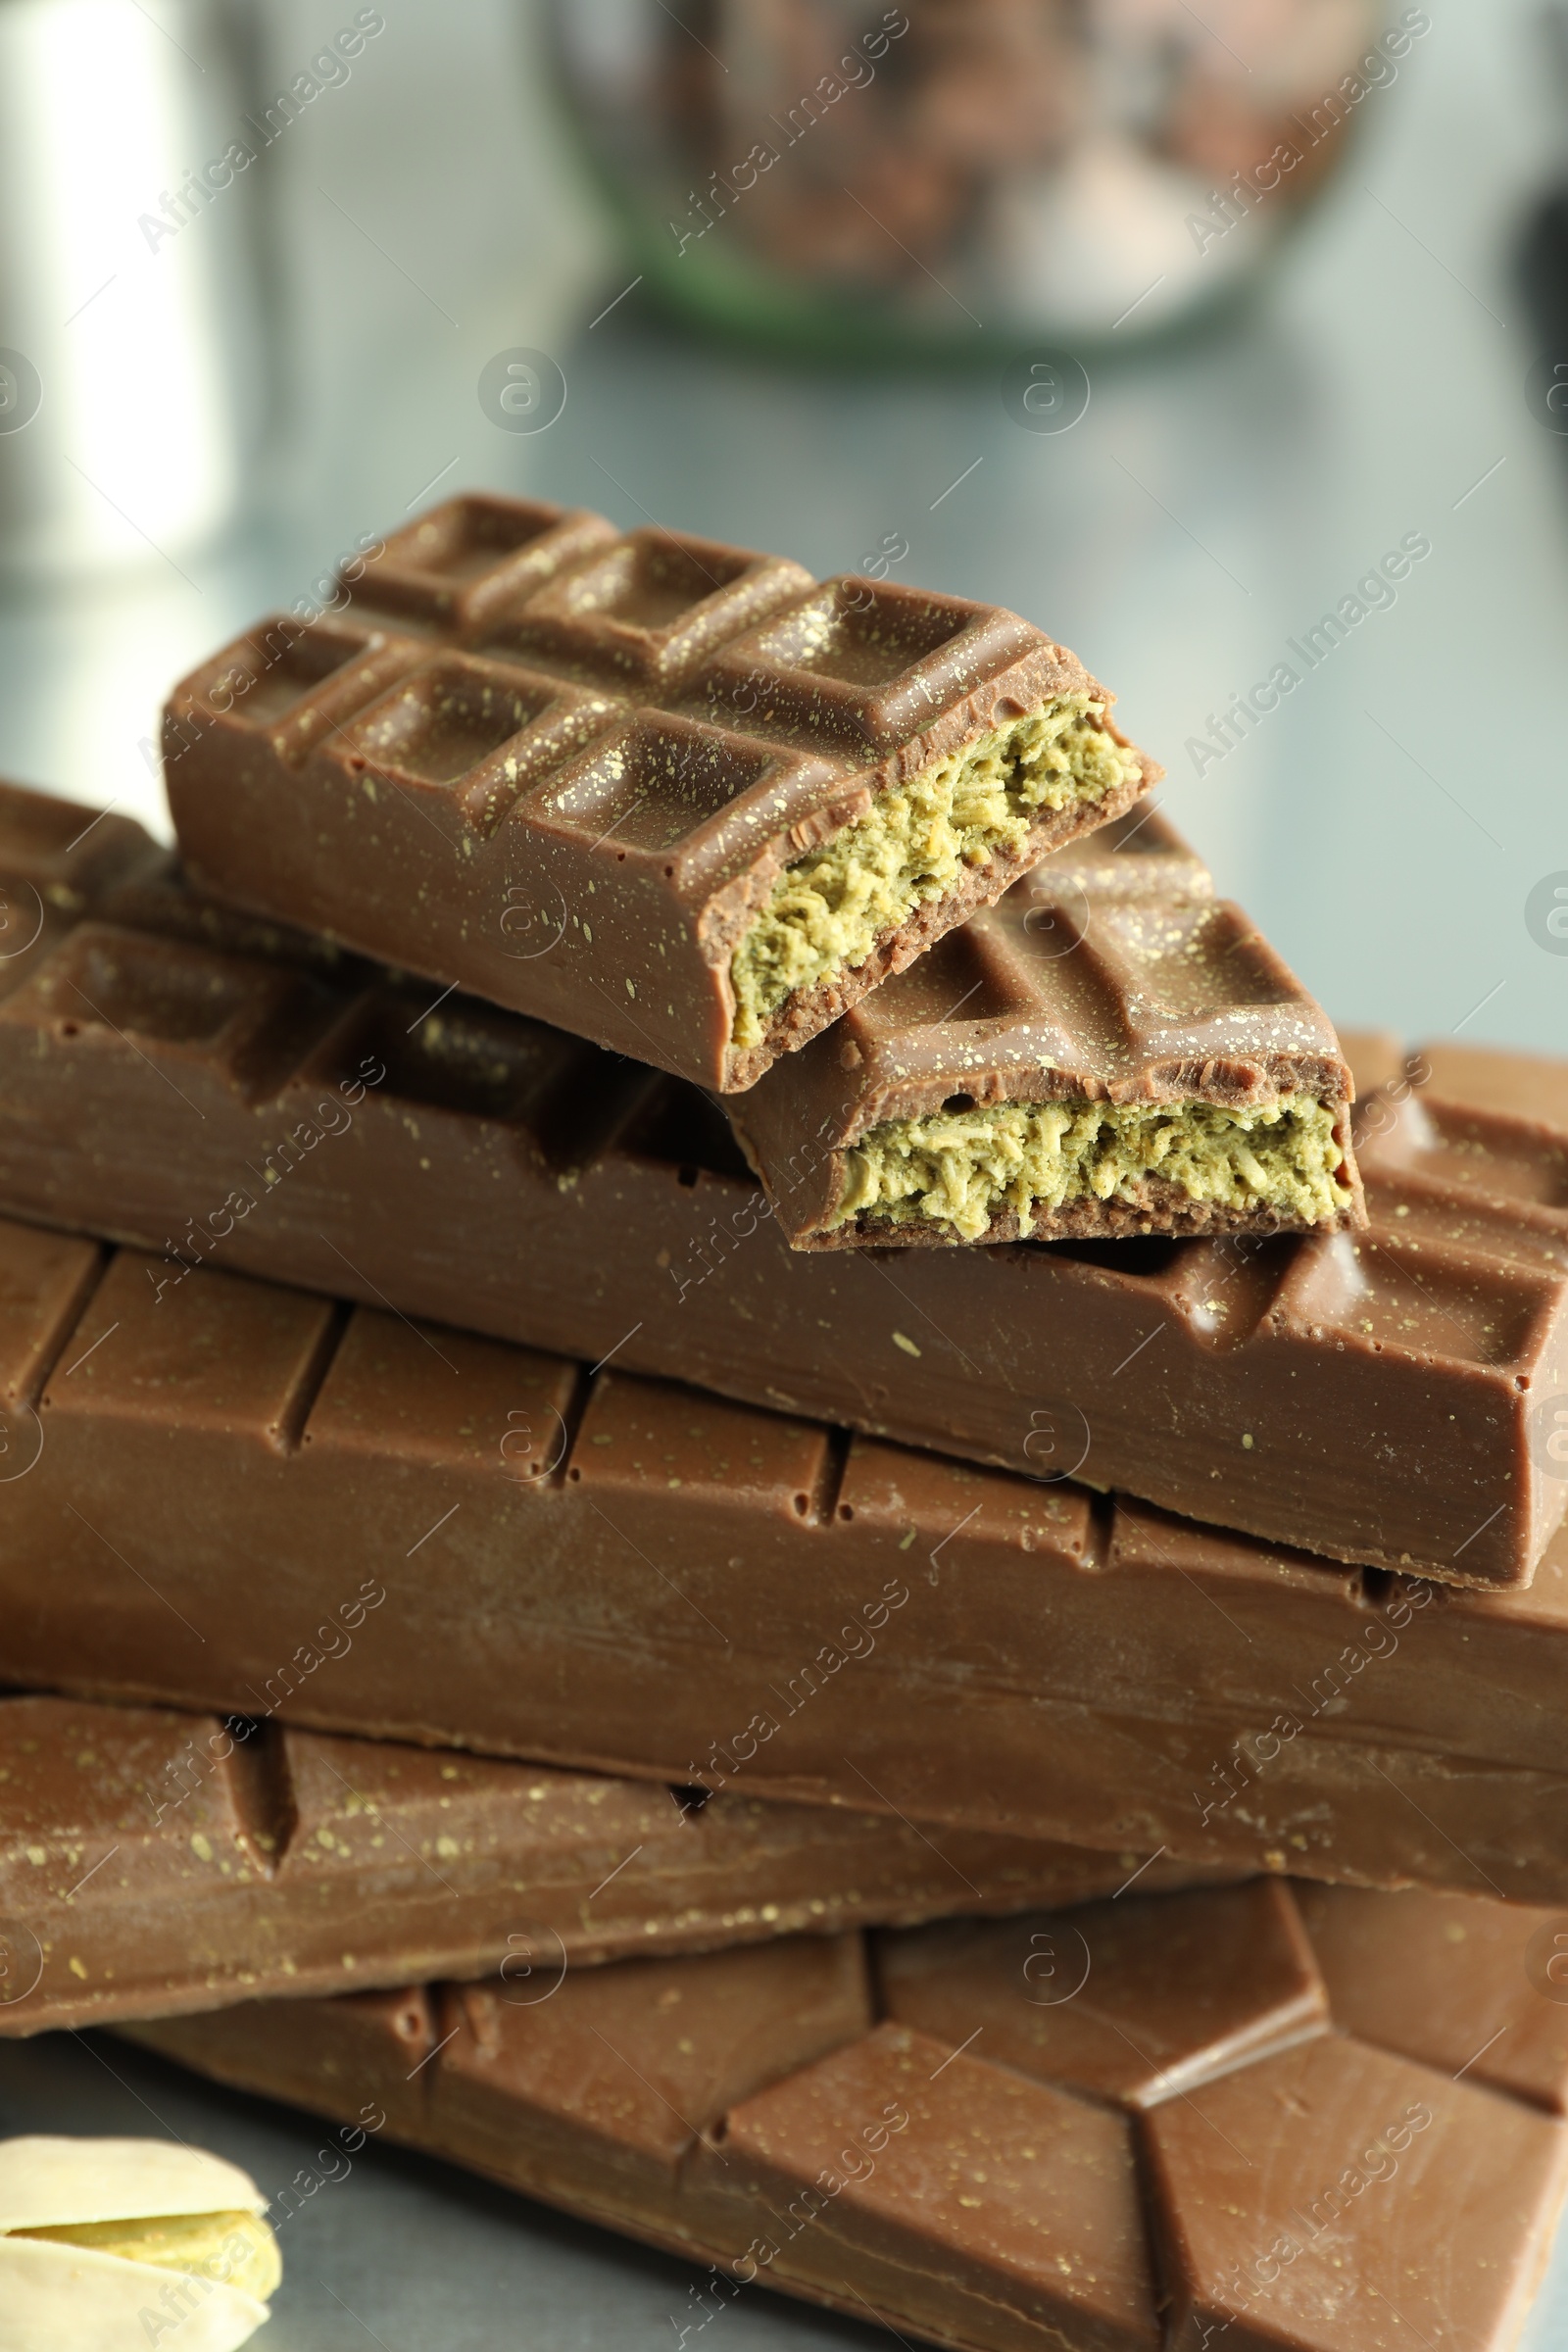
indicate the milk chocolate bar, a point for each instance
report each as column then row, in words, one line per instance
column 235, row 1094
column 1489, row 1078
column 1071, row 1062
column 152, row 1863
column 610, row 1573
column 1148, row 2124
column 672, row 794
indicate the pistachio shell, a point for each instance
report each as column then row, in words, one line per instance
column 49, row 2184
column 54, row 2296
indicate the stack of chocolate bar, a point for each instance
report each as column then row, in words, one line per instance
column 719, row 1484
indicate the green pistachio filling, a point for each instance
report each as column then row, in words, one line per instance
column 829, row 910
column 963, row 1168
column 233, row 2249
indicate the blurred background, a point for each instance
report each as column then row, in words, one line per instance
column 874, row 350
column 1225, row 339
column 1033, row 308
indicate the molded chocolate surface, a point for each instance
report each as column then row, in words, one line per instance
column 235, row 1095
column 565, row 768
column 1110, row 974
column 1467, row 1987
column 964, row 2184
column 152, row 1862
column 615, row 1574
column 1132, row 1999
column 1340, row 2196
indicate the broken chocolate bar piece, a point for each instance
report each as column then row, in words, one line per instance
column 610, row 1573
column 1149, row 2124
column 229, row 1092
column 1073, row 1063
column 152, row 1863
column 671, row 795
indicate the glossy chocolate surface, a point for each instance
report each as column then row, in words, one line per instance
column 1472, row 1988
column 565, row 768
column 616, row 1574
column 1110, row 974
column 235, row 1095
column 152, row 1863
column 933, row 2144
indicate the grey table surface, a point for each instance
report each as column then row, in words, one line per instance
column 1386, row 824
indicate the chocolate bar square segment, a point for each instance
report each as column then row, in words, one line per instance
column 992, row 745
column 1472, row 1175
column 438, row 1401
column 45, row 1282
column 790, row 791
column 234, row 1362
column 457, row 566
column 688, row 794
column 622, row 2070
column 649, row 609
column 1527, row 1086
column 944, row 2186
column 1139, row 856
column 1337, row 2196
column 1403, row 1300
column 866, row 663
column 463, row 737
column 62, row 855
column 1475, row 1989
column 1447, row 1147
column 1093, row 1056
column 108, row 989
column 366, row 2054
column 1133, row 2000
column 286, row 686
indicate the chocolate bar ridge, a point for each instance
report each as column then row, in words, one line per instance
column 615, row 1574
column 959, row 2142
column 154, row 1863
column 675, row 796
column 1073, row 1063
column 1371, row 1399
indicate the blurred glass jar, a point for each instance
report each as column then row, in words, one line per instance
column 849, row 176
